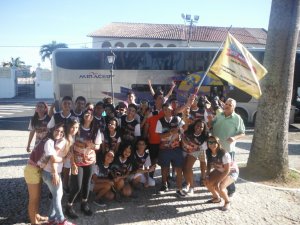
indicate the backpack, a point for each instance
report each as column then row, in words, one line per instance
column 37, row 157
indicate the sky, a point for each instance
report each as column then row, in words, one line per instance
column 27, row 25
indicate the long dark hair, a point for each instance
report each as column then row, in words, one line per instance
column 94, row 129
column 35, row 117
column 220, row 151
column 70, row 124
column 51, row 131
column 191, row 130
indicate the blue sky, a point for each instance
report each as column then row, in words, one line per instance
column 32, row 23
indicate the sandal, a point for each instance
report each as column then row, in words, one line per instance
column 214, row 200
column 226, row 206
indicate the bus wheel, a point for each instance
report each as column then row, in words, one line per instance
column 243, row 114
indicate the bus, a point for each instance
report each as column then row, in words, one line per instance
column 86, row 72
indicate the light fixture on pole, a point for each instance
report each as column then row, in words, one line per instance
column 188, row 18
column 111, row 60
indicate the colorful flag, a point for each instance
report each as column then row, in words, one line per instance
column 238, row 67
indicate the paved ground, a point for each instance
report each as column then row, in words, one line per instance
column 252, row 204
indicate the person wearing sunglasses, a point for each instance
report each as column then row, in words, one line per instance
column 221, row 172
column 228, row 126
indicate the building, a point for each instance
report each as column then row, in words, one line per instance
column 172, row 35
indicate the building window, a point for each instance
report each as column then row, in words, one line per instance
column 171, row 46
column 158, row 45
column 132, row 45
column 145, row 45
column 119, row 45
column 106, row 44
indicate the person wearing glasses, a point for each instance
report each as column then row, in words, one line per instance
column 228, row 126
column 221, row 172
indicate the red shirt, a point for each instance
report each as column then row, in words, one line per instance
column 154, row 137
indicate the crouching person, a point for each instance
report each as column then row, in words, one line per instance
column 224, row 172
column 101, row 179
column 142, row 165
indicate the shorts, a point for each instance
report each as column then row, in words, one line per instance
column 32, row 174
column 67, row 164
column 166, row 156
column 153, row 151
column 196, row 154
column 151, row 181
column 234, row 175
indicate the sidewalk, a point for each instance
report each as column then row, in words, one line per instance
column 251, row 204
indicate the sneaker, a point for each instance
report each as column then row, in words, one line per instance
column 190, row 192
column 70, row 212
column 163, row 189
column 180, row 194
column 231, row 189
column 99, row 202
column 86, row 209
column 66, row 222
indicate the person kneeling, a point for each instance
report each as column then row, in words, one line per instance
column 224, row 172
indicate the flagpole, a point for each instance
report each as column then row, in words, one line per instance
column 212, row 61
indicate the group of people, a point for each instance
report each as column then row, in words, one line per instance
column 113, row 150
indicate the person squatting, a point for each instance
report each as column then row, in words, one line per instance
column 113, row 151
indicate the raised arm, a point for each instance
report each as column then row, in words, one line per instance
column 151, row 88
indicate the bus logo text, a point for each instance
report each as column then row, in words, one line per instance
column 94, row 76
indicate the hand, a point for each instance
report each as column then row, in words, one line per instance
column 74, row 169
column 149, row 82
column 210, row 117
column 146, row 184
column 174, row 130
column 55, row 179
column 173, row 84
column 231, row 139
column 28, row 149
column 152, row 168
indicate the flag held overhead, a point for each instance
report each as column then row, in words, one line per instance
column 238, row 67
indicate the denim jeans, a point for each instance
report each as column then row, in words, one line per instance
column 56, row 212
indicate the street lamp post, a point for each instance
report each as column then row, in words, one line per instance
column 111, row 60
column 188, row 18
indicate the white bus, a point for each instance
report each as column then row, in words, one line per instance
column 86, row 72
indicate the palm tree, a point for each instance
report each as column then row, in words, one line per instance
column 14, row 62
column 269, row 150
column 47, row 50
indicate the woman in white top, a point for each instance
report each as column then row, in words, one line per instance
column 55, row 149
column 221, row 172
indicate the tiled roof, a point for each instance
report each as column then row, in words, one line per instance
column 179, row 32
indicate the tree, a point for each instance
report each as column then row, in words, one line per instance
column 269, row 151
column 47, row 50
column 14, row 62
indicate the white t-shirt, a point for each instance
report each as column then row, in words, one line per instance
column 54, row 150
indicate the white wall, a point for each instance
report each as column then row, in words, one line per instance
column 8, row 82
column 43, row 83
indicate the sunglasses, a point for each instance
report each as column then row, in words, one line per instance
column 211, row 142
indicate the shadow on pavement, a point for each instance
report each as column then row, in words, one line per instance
column 15, row 123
